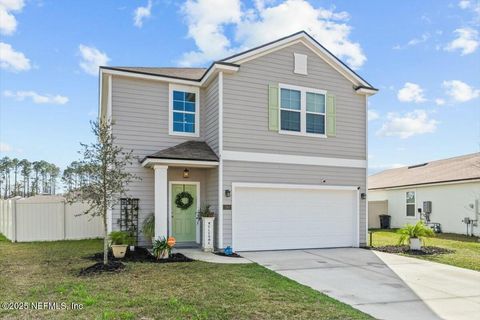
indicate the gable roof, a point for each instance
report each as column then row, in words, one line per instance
column 336, row 62
column 199, row 74
column 189, row 150
column 462, row 168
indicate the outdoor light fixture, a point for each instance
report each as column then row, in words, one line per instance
column 228, row 193
column 363, row 196
column 186, row 173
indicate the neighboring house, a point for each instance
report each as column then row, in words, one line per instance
column 274, row 138
column 452, row 186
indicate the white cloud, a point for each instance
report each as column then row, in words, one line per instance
column 36, row 98
column 142, row 13
column 206, row 20
column 467, row 41
column 413, row 42
column 372, row 115
column 268, row 20
column 5, row 147
column 470, row 5
column 411, row 92
column 12, row 60
column 92, row 58
column 460, row 91
column 410, row 124
column 440, row 102
column 8, row 22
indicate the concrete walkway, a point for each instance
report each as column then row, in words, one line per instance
column 383, row 285
column 197, row 254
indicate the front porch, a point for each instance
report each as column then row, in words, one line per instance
column 185, row 178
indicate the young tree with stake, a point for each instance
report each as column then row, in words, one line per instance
column 105, row 164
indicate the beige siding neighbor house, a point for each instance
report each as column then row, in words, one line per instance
column 444, row 192
column 274, row 139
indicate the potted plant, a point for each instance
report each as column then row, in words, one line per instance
column 119, row 241
column 414, row 234
column 148, row 227
column 162, row 248
column 207, row 216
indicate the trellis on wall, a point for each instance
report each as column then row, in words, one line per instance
column 129, row 216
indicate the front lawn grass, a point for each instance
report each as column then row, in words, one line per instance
column 47, row 272
column 466, row 249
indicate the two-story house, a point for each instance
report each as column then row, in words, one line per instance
column 273, row 138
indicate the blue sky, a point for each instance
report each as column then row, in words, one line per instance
column 424, row 56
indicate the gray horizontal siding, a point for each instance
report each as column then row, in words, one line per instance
column 255, row 172
column 140, row 115
column 211, row 115
column 246, row 108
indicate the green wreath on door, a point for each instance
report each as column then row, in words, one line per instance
column 184, row 200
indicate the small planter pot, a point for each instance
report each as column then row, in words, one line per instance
column 164, row 254
column 415, row 244
column 119, row 250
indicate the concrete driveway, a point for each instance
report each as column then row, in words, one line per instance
column 383, row 285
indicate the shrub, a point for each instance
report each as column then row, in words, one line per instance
column 420, row 230
column 120, row 237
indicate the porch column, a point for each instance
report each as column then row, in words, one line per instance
column 161, row 201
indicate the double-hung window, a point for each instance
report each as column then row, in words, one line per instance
column 410, row 203
column 184, row 115
column 290, row 110
column 302, row 111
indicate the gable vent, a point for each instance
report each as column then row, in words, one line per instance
column 300, row 61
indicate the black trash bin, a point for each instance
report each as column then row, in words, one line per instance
column 384, row 221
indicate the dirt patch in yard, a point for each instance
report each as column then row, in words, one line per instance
column 99, row 267
column 233, row 255
column 406, row 249
column 140, row 255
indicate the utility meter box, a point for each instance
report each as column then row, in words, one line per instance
column 427, row 206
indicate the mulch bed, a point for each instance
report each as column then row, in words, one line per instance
column 99, row 267
column 406, row 249
column 140, row 255
column 233, row 255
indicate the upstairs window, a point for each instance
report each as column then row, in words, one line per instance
column 302, row 111
column 184, row 111
column 290, row 110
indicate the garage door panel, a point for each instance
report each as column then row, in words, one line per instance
column 279, row 218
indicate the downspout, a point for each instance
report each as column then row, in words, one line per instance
column 220, row 156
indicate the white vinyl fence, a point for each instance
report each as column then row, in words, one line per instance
column 46, row 218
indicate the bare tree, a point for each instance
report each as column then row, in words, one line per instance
column 105, row 164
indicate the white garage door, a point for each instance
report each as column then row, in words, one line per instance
column 273, row 218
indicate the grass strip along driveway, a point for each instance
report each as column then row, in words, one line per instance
column 48, row 272
column 466, row 249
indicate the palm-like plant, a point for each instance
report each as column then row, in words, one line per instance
column 418, row 231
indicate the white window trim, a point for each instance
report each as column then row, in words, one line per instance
column 191, row 89
column 303, row 111
column 414, row 205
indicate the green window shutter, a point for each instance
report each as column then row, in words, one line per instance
column 273, row 107
column 331, row 116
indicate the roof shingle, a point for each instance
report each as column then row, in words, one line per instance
column 460, row 168
column 189, row 150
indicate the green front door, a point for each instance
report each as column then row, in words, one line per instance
column 184, row 220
